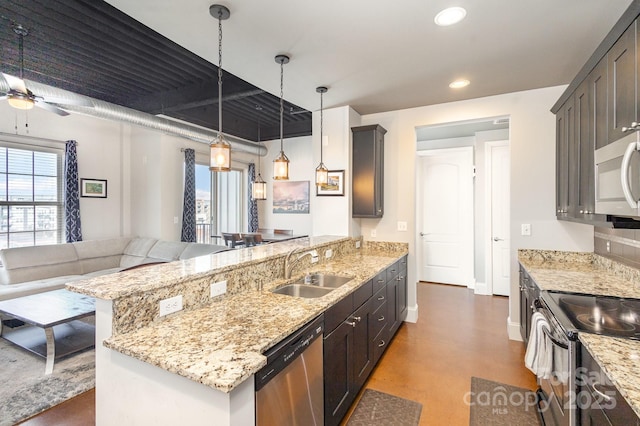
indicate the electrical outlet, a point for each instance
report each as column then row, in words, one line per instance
column 175, row 220
column 608, row 246
column 170, row 305
column 218, row 288
column 525, row 229
column 314, row 256
column 328, row 253
column 373, row 233
column 358, row 244
column 402, row 226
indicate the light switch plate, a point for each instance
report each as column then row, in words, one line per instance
column 373, row 233
column 402, row 226
column 218, row 289
column 328, row 253
column 525, row 229
column 170, row 305
column 358, row 244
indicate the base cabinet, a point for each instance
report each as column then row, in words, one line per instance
column 357, row 331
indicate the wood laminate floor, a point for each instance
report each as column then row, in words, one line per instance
column 458, row 335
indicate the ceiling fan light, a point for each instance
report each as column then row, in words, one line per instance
column 20, row 102
column 322, row 175
column 220, row 160
column 281, row 167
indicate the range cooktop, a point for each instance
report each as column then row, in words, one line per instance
column 606, row 315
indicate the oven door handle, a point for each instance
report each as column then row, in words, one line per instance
column 554, row 340
column 624, row 174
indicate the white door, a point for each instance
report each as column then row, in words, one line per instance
column 446, row 216
column 499, row 182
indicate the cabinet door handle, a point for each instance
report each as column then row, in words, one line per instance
column 357, row 319
column 380, row 297
column 600, row 393
column 352, row 324
column 381, row 344
column 400, row 278
column 381, row 318
column 380, row 281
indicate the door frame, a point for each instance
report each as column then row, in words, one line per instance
column 488, row 211
column 420, row 202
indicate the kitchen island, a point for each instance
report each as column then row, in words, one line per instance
column 593, row 274
column 196, row 366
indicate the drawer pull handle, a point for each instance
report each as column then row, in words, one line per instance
column 381, row 344
column 393, row 271
column 381, row 318
column 380, row 281
column 357, row 319
column 600, row 393
column 352, row 324
column 380, row 297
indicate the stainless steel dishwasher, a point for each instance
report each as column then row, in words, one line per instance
column 289, row 389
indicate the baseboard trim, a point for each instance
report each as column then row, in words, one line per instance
column 513, row 330
column 412, row 314
column 482, row 289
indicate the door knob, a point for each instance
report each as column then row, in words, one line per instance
column 422, row 234
column 497, row 239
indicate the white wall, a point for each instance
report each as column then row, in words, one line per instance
column 532, row 137
column 101, row 147
column 301, row 168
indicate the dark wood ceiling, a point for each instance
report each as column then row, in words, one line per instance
column 91, row 48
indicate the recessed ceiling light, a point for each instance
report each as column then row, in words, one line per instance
column 459, row 84
column 450, row 16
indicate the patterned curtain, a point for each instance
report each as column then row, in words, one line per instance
column 71, row 193
column 253, row 204
column 189, row 203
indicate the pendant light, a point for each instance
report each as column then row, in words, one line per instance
column 322, row 173
column 220, row 148
column 281, row 163
column 259, row 186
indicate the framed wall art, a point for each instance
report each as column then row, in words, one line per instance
column 291, row 197
column 93, row 188
column 334, row 185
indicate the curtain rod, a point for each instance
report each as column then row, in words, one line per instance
column 30, row 138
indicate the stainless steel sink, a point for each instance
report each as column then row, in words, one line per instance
column 302, row 290
column 323, row 280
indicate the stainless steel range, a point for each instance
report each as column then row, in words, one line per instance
column 568, row 314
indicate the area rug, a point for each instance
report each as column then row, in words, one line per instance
column 24, row 388
column 381, row 409
column 497, row 404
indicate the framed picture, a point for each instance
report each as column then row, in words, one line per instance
column 291, row 197
column 334, row 185
column 93, row 188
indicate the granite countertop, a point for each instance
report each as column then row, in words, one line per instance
column 620, row 360
column 221, row 345
column 593, row 274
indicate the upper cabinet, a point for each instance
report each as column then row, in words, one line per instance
column 368, row 171
column 622, row 81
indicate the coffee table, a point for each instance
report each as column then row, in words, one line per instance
column 53, row 331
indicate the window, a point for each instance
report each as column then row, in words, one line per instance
column 31, row 205
column 220, row 202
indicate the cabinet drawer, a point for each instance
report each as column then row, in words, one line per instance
column 379, row 281
column 379, row 319
column 362, row 294
column 379, row 298
column 336, row 314
column 392, row 271
column 402, row 264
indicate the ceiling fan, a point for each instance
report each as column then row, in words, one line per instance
column 19, row 96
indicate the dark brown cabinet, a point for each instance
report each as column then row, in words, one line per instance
column 622, row 81
column 565, row 126
column 529, row 292
column 357, row 331
column 598, row 108
column 367, row 173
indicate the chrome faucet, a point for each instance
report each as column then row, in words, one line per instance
column 290, row 264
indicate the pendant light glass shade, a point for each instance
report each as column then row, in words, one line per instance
column 281, row 163
column 322, row 173
column 220, row 160
column 259, row 186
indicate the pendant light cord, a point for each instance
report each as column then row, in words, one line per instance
column 220, row 73
column 321, row 125
column 281, row 102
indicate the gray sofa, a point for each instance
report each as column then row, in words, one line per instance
column 30, row 270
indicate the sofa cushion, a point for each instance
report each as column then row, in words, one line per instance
column 167, row 250
column 98, row 255
column 21, row 264
column 11, row 291
column 136, row 251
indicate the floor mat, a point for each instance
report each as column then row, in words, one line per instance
column 497, row 404
column 379, row 409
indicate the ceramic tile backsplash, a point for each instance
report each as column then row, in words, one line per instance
column 624, row 245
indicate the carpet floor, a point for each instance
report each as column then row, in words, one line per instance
column 24, row 388
column 497, row 404
column 381, row 409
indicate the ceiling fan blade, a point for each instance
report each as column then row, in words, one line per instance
column 51, row 108
column 67, row 101
column 15, row 83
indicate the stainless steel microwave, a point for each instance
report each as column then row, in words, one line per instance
column 618, row 177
